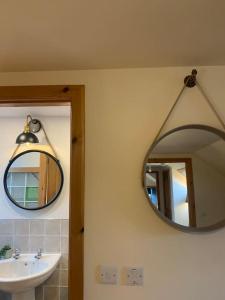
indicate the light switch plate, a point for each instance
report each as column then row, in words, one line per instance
column 134, row 276
column 107, row 275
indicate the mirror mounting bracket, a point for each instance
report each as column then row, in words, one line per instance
column 190, row 80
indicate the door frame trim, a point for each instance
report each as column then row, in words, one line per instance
column 73, row 95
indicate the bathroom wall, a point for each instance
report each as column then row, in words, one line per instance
column 58, row 130
column 124, row 111
column 49, row 235
column 47, row 228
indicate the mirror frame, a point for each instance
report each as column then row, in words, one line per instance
column 214, row 130
column 6, row 173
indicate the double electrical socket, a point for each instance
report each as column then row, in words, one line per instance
column 133, row 276
column 129, row 275
column 107, row 275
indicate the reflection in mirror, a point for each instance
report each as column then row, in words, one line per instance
column 184, row 177
column 33, row 179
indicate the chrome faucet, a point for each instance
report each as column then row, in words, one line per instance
column 39, row 254
column 16, row 254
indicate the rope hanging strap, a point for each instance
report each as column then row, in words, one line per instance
column 210, row 104
column 189, row 82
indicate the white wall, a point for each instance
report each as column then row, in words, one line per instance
column 58, row 130
column 209, row 189
column 124, row 110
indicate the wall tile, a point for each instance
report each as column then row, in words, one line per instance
column 51, row 236
column 52, row 227
column 36, row 242
column 52, row 244
column 21, row 242
column 6, row 240
column 36, row 227
column 63, row 277
column 65, row 227
column 64, row 244
column 64, row 261
column 39, row 293
column 6, row 227
column 53, row 280
column 21, row 227
column 63, row 293
column 51, row 293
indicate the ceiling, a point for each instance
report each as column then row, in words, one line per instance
column 81, row 34
column 35, row 111
column 185, row 141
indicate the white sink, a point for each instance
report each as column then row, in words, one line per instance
column 20, row 276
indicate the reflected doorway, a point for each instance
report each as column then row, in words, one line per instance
column 170, row 188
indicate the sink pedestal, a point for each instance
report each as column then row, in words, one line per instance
column 28, row 295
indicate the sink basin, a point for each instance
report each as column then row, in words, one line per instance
column 20, row 276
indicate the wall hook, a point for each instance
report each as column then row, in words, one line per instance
column 190, row 80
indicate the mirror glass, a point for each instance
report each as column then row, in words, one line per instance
column 33, row 179
column 184, row 177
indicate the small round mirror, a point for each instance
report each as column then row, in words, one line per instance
column 33, row 179
column 184, row 177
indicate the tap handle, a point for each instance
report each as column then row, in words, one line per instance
column 39, row 251
column 16, row 254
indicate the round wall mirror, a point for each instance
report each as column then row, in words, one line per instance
column 184, row 177
column 33, row 179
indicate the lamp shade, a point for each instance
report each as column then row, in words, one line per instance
column 27, row 137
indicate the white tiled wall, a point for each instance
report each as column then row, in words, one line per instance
column 49, row 235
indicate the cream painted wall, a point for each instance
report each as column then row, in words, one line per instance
column 124, row 110
column 58, row 130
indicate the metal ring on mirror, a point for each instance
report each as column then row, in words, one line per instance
column 184, row 177
column 33, row 179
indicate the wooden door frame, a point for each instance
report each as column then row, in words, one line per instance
column 157, row 187
column 167, row 192
column 73, row 95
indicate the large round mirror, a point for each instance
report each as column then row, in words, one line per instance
column 33, row 179
column 184, row 177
